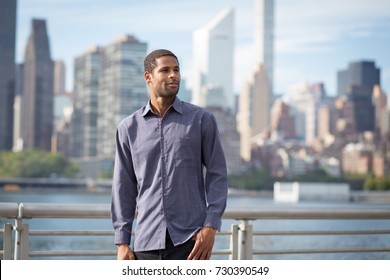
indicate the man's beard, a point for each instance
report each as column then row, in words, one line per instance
column 168, row 92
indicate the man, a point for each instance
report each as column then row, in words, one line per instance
column 170, row 169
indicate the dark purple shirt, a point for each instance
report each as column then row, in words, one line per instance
column 172, row 172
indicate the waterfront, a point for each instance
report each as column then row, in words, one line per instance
column 251, row 202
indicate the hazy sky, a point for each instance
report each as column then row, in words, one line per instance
column 313, row 39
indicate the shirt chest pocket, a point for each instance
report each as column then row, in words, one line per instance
column 186, row 153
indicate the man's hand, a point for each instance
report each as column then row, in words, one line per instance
column 204, row 242
column 124, row 252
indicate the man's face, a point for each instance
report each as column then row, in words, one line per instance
column 164, row 81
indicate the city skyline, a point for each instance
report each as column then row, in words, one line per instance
column 312, row 40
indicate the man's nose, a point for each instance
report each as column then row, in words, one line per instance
column 173, row 74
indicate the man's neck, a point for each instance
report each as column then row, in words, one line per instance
column 161, row 104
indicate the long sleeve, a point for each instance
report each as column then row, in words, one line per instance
column 216, row 183
column 124, row 189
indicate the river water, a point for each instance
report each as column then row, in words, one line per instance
column 235, row 202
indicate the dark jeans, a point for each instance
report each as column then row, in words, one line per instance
column 170, row 252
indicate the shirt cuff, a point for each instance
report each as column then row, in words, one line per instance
column 122, row 237
column 213, row 221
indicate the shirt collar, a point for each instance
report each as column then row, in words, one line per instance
column 176, row 105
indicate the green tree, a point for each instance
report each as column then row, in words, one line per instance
column 382, row 184
column 369, row 183
column 35, row 163
column 252, row 180
column 377, row 184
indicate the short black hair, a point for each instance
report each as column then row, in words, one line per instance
column 150, row 59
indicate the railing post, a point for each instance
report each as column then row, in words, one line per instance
column 21, row 236
column 25, row 244
column 245, row 241
column 7, row 242
column 234, row 242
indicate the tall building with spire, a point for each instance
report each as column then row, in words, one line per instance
column 37, row 100
column 213, row 54
column 264, row 37
column 7, row 71
column 253, row 116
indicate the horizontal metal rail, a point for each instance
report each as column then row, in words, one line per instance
column 9, row 210
column 85, row 232
column 101, row 211
column 311, row 214
column 71, row 233
column 241, row 235
column 321, row 232
column 94, row 253
column 321, row 251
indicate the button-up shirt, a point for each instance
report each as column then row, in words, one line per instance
column 172, row 172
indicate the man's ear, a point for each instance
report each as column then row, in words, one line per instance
column 147, row 77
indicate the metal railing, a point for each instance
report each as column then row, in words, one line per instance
column 16, row 236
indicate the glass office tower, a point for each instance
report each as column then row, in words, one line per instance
column 7, row 71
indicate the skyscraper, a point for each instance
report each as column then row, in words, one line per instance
column 230, row 138
column 37, row 100
column 305, row 100
column 253, row 111
column 63, row 109
column 264, row 37
column 254, row 103
column 379, row 99
column 213, row 54
column 363, row 74
column 122, row 88
column 282, row 121
column 7, row 71
column 17, row 137
column 85, row 106
column 59, row 77
column 357, row 83
column 108, row 87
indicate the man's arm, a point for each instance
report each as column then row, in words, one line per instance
column 216, row 186
column 216, row 183
column 124, row 190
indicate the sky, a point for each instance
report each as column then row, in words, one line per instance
column 313, row 39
